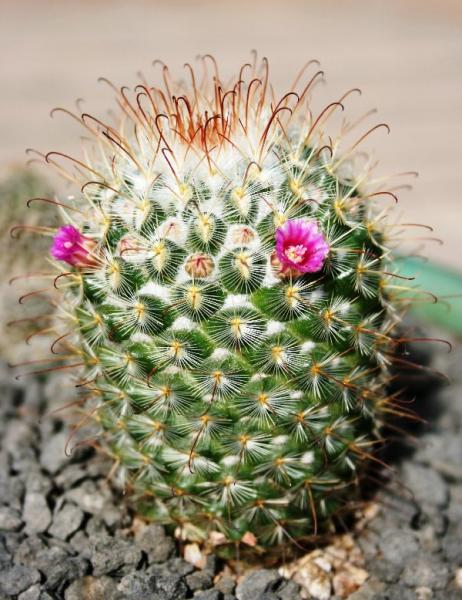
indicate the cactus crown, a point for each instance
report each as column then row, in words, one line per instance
column 228, row 297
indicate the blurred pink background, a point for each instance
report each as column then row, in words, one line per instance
column 405, row 55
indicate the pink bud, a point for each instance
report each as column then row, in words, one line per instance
column 71, row 246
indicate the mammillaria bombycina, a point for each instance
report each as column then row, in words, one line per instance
column 228, row 302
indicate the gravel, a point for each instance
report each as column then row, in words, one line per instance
column 66, row 535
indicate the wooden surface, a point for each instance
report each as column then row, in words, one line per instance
column 406, row 56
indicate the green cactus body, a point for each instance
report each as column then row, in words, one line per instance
column 236, row 394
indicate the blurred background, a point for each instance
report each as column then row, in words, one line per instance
column 406, row 56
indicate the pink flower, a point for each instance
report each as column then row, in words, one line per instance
column 71, row 246
column 300, row 246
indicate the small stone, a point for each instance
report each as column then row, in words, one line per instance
column 198, row 581
column 27, row 552
column 171, row 587
column 5, row 555
column 36, row 513
column 152, row 540
column 369, row 591
column 9, row 519
column 81, row 544
column 109, row 555
column 61, row 572
column 15, row 579
column 18, row 436
column 94, row 588
column 211, row 564
column 67, row 520
column 398, row 545
column 226, row 584
column 427, row 486
column 53, row 457
column 443, row 453
column 70, row 475
column 96, row 527
column 425, row 570
column 12, row 491
column 387, row 571
column 39, row 483
column 13, row 540
column 454, row 511
column 137, row 586
column 208, row 595
column 288, row 590
column 396, row 592
column 256, row 583
column 87, row 497
column 179, row 566
column 452, row 547
column 33, row 593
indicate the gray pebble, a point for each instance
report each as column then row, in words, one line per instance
column 398, row 545
column 443, row 453
column 37, row 482
column 396, row 592
column 199, row 580
column 5, row 555
column 9, row 519
column 96, row 527
column 370, row 590
column 33, row 593
column 19, row 435
column 94, row 588
column 427, row 486
column 137, row 586
column 153, row 541
column 454, row 511
column 427, row 571
column 387, row 571
column 61, row 572
column 13, row 540
column 225, row 585
column 256, row 583
column 36, row 513
column 67, row 520
column 81, row 544
column 70, row 475
column 175, row 566
column 52, row 457
column 452, row 546
column 208, row 595
column 11, row 491
column 16, row 578
column 171, row 587
column 28, row 551
column 88, row 497
column 109, row 555
column 288, row 590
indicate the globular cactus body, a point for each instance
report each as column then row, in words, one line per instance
column 229, row 297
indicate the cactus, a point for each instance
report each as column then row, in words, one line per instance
column 229, row 297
